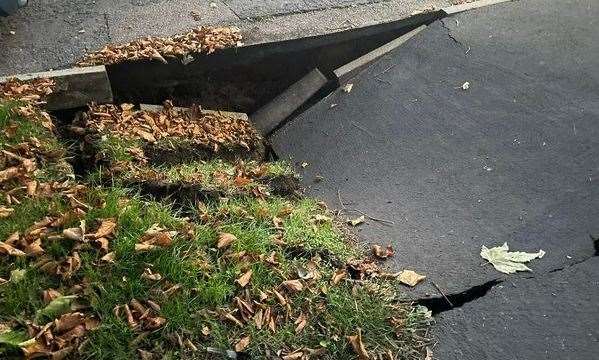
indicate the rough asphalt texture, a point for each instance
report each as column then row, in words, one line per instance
column 52, row 34
column 512, row 159
column 547, row 317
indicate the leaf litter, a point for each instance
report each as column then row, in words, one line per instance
column 204, row 40
column 297, row 293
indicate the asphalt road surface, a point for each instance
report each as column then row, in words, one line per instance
column 513, row 158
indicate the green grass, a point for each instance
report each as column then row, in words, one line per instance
column 23, row 129
column 113, row 148
column 299, row 232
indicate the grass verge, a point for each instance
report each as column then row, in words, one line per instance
column 95, row 272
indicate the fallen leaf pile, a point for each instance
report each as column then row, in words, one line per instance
column 31, row 95
column 62, row 335
column 210, row 130
column 33, row 91
column 140, row 316
column 204, row 40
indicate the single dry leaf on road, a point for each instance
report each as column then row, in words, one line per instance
column 357, row 221
column 509, row 262
column 225, row 239
column 242, row 344
column 348, row 88
column 244, row 279
column 358, row 345
column 382, row 253
column 410, row 278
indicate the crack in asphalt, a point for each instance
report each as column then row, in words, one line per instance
column 450, row 35
column 448, row 302
column 310, row 10
column 232, row 10
column 595, row 241
column 107, row 27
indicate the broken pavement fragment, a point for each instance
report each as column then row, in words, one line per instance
column 508, row 262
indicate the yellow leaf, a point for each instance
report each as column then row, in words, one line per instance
column 410, row 278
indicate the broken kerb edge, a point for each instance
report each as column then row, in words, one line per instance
column 351, row 69
column 75, row 87
column 454, row 9
column 234, row 115
column 271, row 115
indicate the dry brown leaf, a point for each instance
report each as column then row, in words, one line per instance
column 5, row 211
column 49, row 295
column 68, row 321
column 75, row 234
column 242, row 344
column 357, row 221
column 382, row 253
column 410, row 278
column 280, row 297
column 339, row 275
column 102, row 243
column 145, row 355
column 225, row 239
column 149, row 275
column 293, row 285
column 245, row 278
column 110, row 257
column 205, row 330
column 358, row 345
column 301, row 323
column 106, row 229
column 241, row 181
column 9, row 250
column 145, row 247
column 296, row 355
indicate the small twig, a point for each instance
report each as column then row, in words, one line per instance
column 340, row 201
column 388, row 222
column 384, row 71
column 442, row 293
column 344, row 208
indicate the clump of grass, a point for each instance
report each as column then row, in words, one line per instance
column 18, row 129
column 112, row 148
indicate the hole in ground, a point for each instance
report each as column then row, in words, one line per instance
column 246, row 78
column 439, row 304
